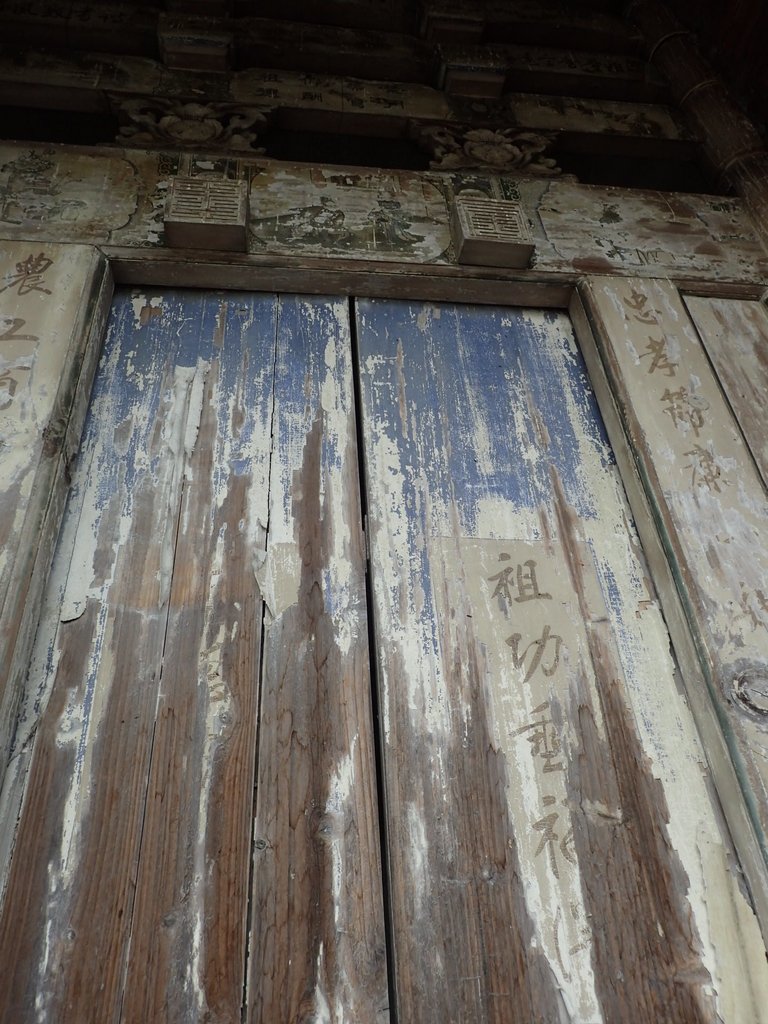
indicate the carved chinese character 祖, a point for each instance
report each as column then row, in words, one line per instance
column 539, row 646
column 545, row 743
column 705, row 468
column 29, row 275
column 522, row 577
column 684, row 407
column 657, row 349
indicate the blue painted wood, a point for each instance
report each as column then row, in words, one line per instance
column 172, row 444
column 481, row 438
column 317, row 943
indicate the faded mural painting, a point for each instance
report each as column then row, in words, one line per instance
column 118, row 197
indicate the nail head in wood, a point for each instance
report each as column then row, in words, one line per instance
column 491, row 232
column 201, row 213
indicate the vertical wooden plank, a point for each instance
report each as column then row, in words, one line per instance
column 67, row 911
column 53, row 302
column 317, row 947
column 554, row 850
column 735, row 336
column 189, row 934
column 709, row 505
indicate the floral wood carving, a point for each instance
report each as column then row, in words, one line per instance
column 158, row 122
column 498, row 149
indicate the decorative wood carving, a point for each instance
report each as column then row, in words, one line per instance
column 491, row 232
column 205, row 214
column 500, row 149
column 162, row 122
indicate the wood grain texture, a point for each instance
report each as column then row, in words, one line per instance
column 317, row 935
column 66, row 917
column 542, row 772
column 735, row 336
column 189, row 933
column 708, row 502
column 147, row 501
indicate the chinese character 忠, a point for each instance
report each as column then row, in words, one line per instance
column 638, row 304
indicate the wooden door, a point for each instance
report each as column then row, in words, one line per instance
column 554, row 849
column 199, row 829
column 200, row 833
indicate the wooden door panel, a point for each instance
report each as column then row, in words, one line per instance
column 698, row 453
column 189, row 935
column 67, row 915
column 554, row 852
column 220, row 451
column 317, row 938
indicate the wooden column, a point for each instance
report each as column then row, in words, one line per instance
column 731, row 141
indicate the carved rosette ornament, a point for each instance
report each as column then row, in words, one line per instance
column 454, row 147
column 170, row 123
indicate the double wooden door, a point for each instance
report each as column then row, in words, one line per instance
column 352, row 700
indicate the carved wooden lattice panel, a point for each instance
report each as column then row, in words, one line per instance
column 205, row 214
column 491, row 232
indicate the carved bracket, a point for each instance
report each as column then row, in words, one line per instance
column 147, row 121
column 503, row 150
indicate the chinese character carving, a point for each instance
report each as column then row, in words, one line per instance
column 521, row 577
column 657, row 350
column 551, row 841
column 29, row 275
column 706, row 472
column 548, row 644
column 8, row 386
column 685, row 408
column 638, row 304
column 13, row 324
column 545, row 743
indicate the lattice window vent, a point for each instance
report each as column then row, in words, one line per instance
column 204, row 214
column 491, row 232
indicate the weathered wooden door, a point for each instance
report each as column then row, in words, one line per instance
column 554, row 850
column 200, row 827
column 199, row 836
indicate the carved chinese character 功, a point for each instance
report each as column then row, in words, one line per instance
column 547, row 644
